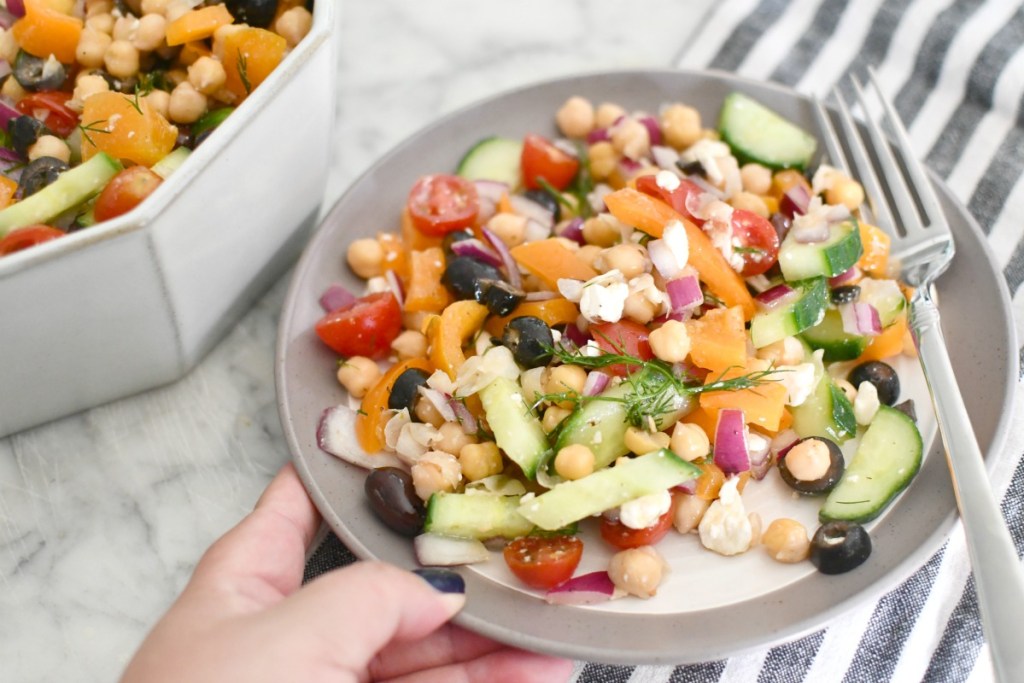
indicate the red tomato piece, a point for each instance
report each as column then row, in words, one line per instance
column 625, row 337
column 125, row 191
column 50, row 107
column 623, row 537
column 366, row 327
column 26, row 237
column 676, row 198
column 542, row 159
column 756, row 242
column 542, row 562
column 440, row 203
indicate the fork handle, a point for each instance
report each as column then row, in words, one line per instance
column 998, row 574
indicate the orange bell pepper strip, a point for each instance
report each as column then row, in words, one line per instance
column 456, row 324
column 7, row 189
column 425, row 292
column 550, row 260
column 718, row 339
column 197, row 24
column 876, row 242
column 763, row 405
column 45, row 31
column 887, row 344
column 395, row 257
column 557, row 311
column 412, row 238
column 652, row 215
column 372, row 412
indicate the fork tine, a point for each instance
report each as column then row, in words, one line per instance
column 863, row 167
column 920, row 181
column 832, row 146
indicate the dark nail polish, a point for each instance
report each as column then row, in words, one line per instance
column 442, row 580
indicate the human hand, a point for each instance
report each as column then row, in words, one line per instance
column 245, row 616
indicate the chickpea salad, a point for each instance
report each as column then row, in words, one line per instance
column 610, row 335
column 101, row 100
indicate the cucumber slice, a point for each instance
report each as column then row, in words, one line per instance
column 805, row 311
column 571, row 501
column 826, row 413
column 475, row 515
column 517, row 431
column 493, row 158
column 837, row 343
column 756, row 133
column 69, row 190
column 887, row 458
column 886, row 296
column 835, row 255
column 171, row 163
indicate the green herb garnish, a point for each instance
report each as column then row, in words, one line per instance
column 243, row 71
column 93, row 127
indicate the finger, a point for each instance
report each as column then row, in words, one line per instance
column 449, row 644
column 506, row 664
column 354, row 612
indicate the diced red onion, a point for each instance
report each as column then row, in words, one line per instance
column 794, row 201
column 434, row 550
column 782, row 442
column 586, row 589
column 16, row 7
column 537, row 231
column 781, row 224
column 540, row 296
column 439, row 401
column 860, row 318
column 574, row 335
column 731, row 454
column 566, row 146
column 653, row 129
column 511, row 267
column 490, row 189
column 595, row 383
column 6, row 21
column 665, row 158
column 573, row 230
column 596, row 197
column 628, row 168
column 598, row 135
column 704, row 185
column 775, row 296
column 462, row 413
column 334, row 436
column 760, row 458
column 688, row 487
column 524, row 206
column 684, row 293
column 848, row 275
column 396, row 286
column 475, row 249
column 810, row 232
column 335, row 297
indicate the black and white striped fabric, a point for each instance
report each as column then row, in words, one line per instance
column 957, row 70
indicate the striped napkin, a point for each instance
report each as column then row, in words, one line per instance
column 956, row 70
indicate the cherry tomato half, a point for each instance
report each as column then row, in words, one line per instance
column 366, row 327
column 440, row 203
column 755, row 240
column 676, row 198
column 125, row 191
column 625, row 337
column 26, row 237
column 542, row 562
column 623, row 537
column 541, row 159
column 50, row 107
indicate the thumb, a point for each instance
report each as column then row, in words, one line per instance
column 356, row 611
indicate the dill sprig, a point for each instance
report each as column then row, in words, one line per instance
column 243, row 71
column 93, row 127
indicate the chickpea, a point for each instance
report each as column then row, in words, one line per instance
column 641, row 441
column 786, row 351
column 509, row 227
column 451, row 438
column 428, row 479
column 8, row 46
column 689, row 441
column 410, row 344
column 154, row 6
column 628, row 259
column 670, row 342
column 50, row 146
column 588, row 254
column 757, row 179
column 85, row 87
column 786, row 540
column 92, row 48
column 427, row 413
column 749, row 201
column 122, row 59
column 207, row 75
column 639, row 308
column 293, row 25
column 175, row 9
column 553, row 416
column 607, row 113
column 365, row 257
column 848, row 389
column 186, row 104
column 159, row 101
column 603, row 230
column 479, row 460
column 150, row 33
column 93, row 7
column 218, row 36
column 637, row 571
column 417, row 320
column 847, row 192
column 808, row 460
column 102, row 22
column 688, row 513
column 603, row 159
column 532, row 381
column 680, row 125
column 576, row 117
column 124, row 27
column 631, row 139
column 565, row 379
column 357, row 374
column 12, row 89
column 574, row 462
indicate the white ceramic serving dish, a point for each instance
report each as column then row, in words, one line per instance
column 136, row 302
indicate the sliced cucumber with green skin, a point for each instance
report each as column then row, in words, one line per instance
column 805, row 311
column 837, row 343
column 610, row 487
column 517, row 431
column 475, row 515
column 171, row 163
column 835, row 255
column 826, row 412
column 70, row 189
column 886, row 296
column 756, row 133
column 493, row 158
column 887, row 458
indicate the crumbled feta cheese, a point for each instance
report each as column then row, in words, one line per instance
column 440, row 381
column 556, row 336
column 757, row 444
column 667, row 180
column 707, row 152
column 601, row 298
column 824, row 178
column 725, row 527
column 677, row 241
column 591, row 349
column 799, row 381
column 866, row 405
column 377, row 284
column 646, row 510
column 645, row 287
column 570, row 289
column 479, row 371
column 819, row 212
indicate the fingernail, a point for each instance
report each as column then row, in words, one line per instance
column 442, row 580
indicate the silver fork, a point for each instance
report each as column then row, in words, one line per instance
column 923, row 246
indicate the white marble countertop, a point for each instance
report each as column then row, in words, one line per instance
column 104, row 514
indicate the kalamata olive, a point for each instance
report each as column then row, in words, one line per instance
column 546, row 200
column 393, row 499
column 845, row 294
column 692, row 168
column 907, row 408
column 33, row 73
column 499, row 297
column 823, row 484
column 24, row 131
column 463, row 275
column 38, row 174
column 530, row 341
column 882, row 375
column 257, row 13
column 838, row 547
column 453, row 237
column 404, row 391
column 782, row 223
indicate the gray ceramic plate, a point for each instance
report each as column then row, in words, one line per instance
column 697, row 619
